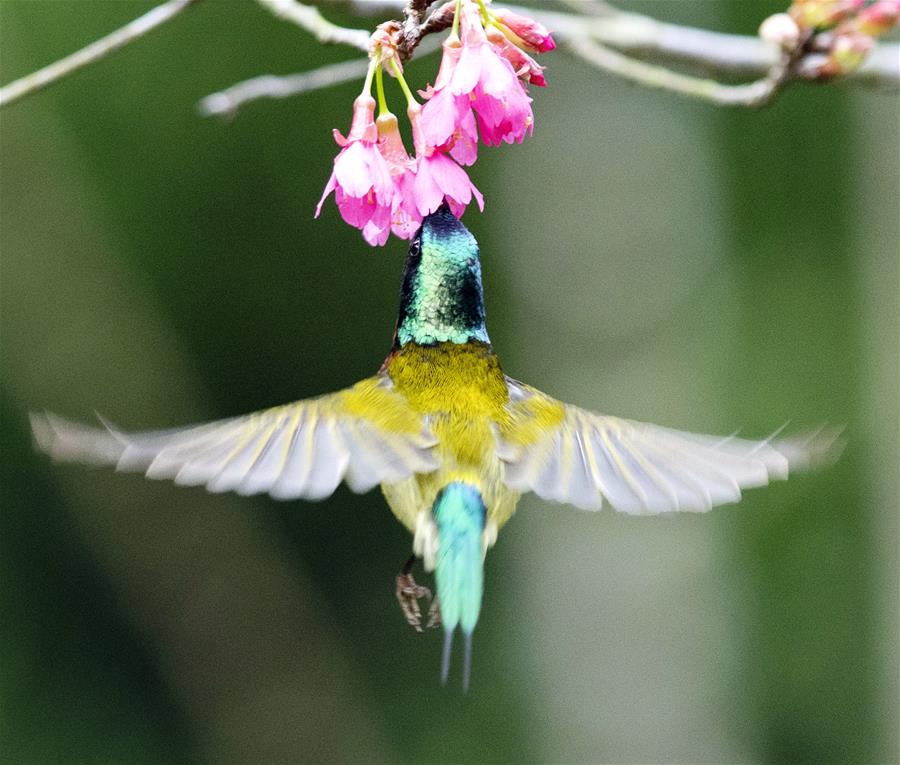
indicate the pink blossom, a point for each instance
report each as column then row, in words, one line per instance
column 523, row 64
column 405, row 218
column 480, row 92
column 438, row 178
column 533, row 35
column 361, row 180
column 447, row 119
column 498, row 98
column 374, row 220
column 474, row 75
column 448, row 123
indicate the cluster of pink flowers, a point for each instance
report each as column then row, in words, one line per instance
column 835, row 36
column 480, row 92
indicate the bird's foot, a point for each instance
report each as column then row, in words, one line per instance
column 409, row 593
column 434, row 614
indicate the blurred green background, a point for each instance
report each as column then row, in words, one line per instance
column 644, row 255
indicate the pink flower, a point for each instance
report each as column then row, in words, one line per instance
column 438, row 178
column 533, row 35
column 361, row 180
column 497, row 95
column 523, row 64
column 373, row 220
column 480, row 91
column 405, row 218
column 447, row 119
column 448, row 123
column 474, row 75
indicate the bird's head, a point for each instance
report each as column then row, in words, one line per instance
column 441, row 298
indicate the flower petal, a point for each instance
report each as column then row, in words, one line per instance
column 357, row 211
column 428, row 193
column 468, row 72
column 351, row 170
column 498, row 78
column 464, row 147
column 329, row 187
column 378, row 228
column 441, row 115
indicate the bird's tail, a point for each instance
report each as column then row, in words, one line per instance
column 459, row 513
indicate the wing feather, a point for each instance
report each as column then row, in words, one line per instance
column 331, row 460
column 269, row 461
column 363, row 473
column 584, row 459
column 367, row 435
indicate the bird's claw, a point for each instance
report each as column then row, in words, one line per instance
column 408, row 595
column 434, row 614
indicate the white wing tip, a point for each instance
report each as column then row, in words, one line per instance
column 42, row 431
column 67, row 441
column 819, row 448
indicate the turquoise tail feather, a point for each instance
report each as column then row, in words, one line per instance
column 459, row 513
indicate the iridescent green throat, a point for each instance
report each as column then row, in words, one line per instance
column 441, row 299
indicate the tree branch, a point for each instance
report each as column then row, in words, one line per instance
column 226, row 103
column 721, row 52
column 597, row 32
column 309, row 18
column 751, row 94
column 93, row 52
column 416, row 26
column 663, row 43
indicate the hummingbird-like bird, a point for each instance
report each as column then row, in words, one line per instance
column 452, row 441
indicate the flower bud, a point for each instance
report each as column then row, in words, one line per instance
column 524, row 65
column 847, row 54
column 823, row 14
column 782, row 30
column 534, row 36
column 385, row 39
column 878, row 18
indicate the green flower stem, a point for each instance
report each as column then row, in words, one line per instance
column 486, row 17
column 511, row 36
column 454, row 30
column 367, row 86
column 379, row 87
column 398, row 73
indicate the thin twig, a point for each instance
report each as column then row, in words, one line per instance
column 309, row 18
column 664, row 43
column 589, row 7
column 751, row 94
column 881, row 68
column 719, row 52
column 602, row 38
column 226, row 103
column 93, row 52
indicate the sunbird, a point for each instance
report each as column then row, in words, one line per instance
column 451, row 439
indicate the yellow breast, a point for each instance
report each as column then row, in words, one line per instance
column 462, row 392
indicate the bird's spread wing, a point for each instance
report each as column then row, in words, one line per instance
column 366, row 434
column 566, row 454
